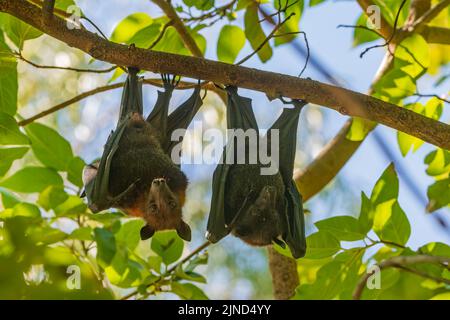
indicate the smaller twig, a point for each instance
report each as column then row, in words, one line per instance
column 307, row 54
column 154, row 82
column 96, row 27
column 431, row 95
column 21, row 57
column 161, row 34
column 287, row 6
column 263, row 43
column 211, row 14
column 430, row 14
column 388, row 41
column 173, row 268
column 360, row 27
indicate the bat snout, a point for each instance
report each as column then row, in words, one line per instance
column 159, row 182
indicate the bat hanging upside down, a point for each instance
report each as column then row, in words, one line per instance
column 259, row 209
column 135, row 173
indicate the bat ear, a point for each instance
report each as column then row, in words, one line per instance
column 184, row 231
column 147, row 232
column 280, row 243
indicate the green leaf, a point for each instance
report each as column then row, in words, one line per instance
column 358, row 130
column 243, row 4
column 52, row 197
column 361, row 35
column 128, row 27
column 154, row 263
column 333, row 277
column 391, row 223
column 189, row 275
column 365, row 214
column 9, row 131
column 386, row 188
column 172, row 43
column 395, row 85
column 8, row 199
column 294, row 10
column 106, row 246
column 345, row 228
column 71, row 207
column 64, row 4
column 255, row 33
column 46, row 235
column 200, row 259
column 188, row 291
column 320, row 245
column 433, row 110
column 145, row 37
column 168, row 246
column 22, row 209
column 435, row 249
column 441, row 296
column 8, row 79
column 230, row 43
column 32, row 179
column 202, row 5
column 124, row 272
column 83, row 234
column 8, row 156
column 49, row 147
column 438, row 162
column 18, row 31
column 438, row 195
column 412, row 56
column 129, row 233
column 313, row 3
column 75, row 171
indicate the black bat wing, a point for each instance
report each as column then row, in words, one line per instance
column 131, row 95
column 239, row 116
column 180, row 118
column 294, row 222
column 158, row 118
column 97, row 189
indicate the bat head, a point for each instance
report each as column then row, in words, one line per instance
column 259, row 223
column 163, row 210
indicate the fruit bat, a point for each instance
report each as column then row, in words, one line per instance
column 135, row 173
column 259, row 209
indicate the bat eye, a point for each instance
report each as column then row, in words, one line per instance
column 153, row 207
column 172, row 204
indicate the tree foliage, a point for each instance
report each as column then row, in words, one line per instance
column 45, row 228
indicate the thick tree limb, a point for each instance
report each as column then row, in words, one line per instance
column 284, row 275
column 273, row 84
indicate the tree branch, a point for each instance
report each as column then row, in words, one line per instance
column 154, row 82
column 437, row 35
column 284, row 275
column 186, row 37
column 401, row 262
column 385, row 28
column 173, row 268
column 273, row 84
column 432, row 13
